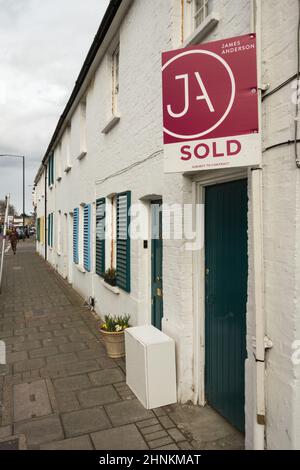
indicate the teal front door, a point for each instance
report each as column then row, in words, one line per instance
column 156, row 264
column 226, row 268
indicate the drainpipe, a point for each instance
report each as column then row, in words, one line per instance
column 259, row 345
column 258, row 274
column 45, row 209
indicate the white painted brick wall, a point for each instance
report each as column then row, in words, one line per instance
column 147, row 30
column 281, row 227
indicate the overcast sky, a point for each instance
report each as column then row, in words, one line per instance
column 43, row 44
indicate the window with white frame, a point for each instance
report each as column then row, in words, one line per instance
column 67, row 150
column 58, row 160
column 110, row 242
column 106, row 234
column 80, row 235
column 115, row 80
column 195, row 13
column 58, row 247
column 83, row 128
column 113, row 221
column 200, row 11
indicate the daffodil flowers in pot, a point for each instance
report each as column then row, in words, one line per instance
column 112, row 332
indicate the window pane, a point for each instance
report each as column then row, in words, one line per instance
column 200, row 11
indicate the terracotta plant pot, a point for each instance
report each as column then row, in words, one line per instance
column 114, row 342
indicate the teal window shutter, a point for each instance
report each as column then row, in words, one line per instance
column 38, row 229
column 123, row 241
column 50, row 230
column 75, row 235
column 100, row 236
column 87, row 237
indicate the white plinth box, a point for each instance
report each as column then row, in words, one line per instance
column 150, row 366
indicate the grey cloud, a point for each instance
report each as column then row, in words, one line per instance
column 42, row 46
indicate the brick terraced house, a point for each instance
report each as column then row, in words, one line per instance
column 233, row 304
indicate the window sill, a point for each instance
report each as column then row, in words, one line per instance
column 67, row 169
column 80, row 269
column 81, row 155
column 203, row 30
column 113, row 289
column 111, row 124
column 51, row 186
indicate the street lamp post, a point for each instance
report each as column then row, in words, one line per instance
column 23, row 158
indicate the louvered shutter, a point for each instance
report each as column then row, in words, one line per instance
column 75, row 235
column 49, row 228
column 87, row 237
column 38, row 228
column 123, row 241
column 100, row 236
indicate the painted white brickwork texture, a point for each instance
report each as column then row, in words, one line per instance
column 281, row 227
column 148, row 29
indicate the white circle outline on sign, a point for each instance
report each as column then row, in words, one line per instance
column 230, row 73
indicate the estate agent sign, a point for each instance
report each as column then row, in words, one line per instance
column 210, row 106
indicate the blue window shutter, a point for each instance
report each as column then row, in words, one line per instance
column 87, row 237
column 123, row 241
column 100, row 236
column 75, row 235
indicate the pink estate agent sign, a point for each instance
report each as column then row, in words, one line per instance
column 210, row 106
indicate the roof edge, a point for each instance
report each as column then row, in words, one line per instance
column 106, row 22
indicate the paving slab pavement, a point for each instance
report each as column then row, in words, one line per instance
column 60, row 391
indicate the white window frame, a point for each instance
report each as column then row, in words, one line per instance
column 59, row 238
column 203, row 9
column 67, row 142
column 115, row 62
column 58, row 159
column 192, row 32
column 199, row 184
column 111, row 232
column 83, row 130
column 80, row 237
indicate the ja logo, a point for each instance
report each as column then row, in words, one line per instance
column 198, row 91
column 2, row 353
column 204, row 96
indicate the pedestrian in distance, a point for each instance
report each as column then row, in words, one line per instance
column 13, row 238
